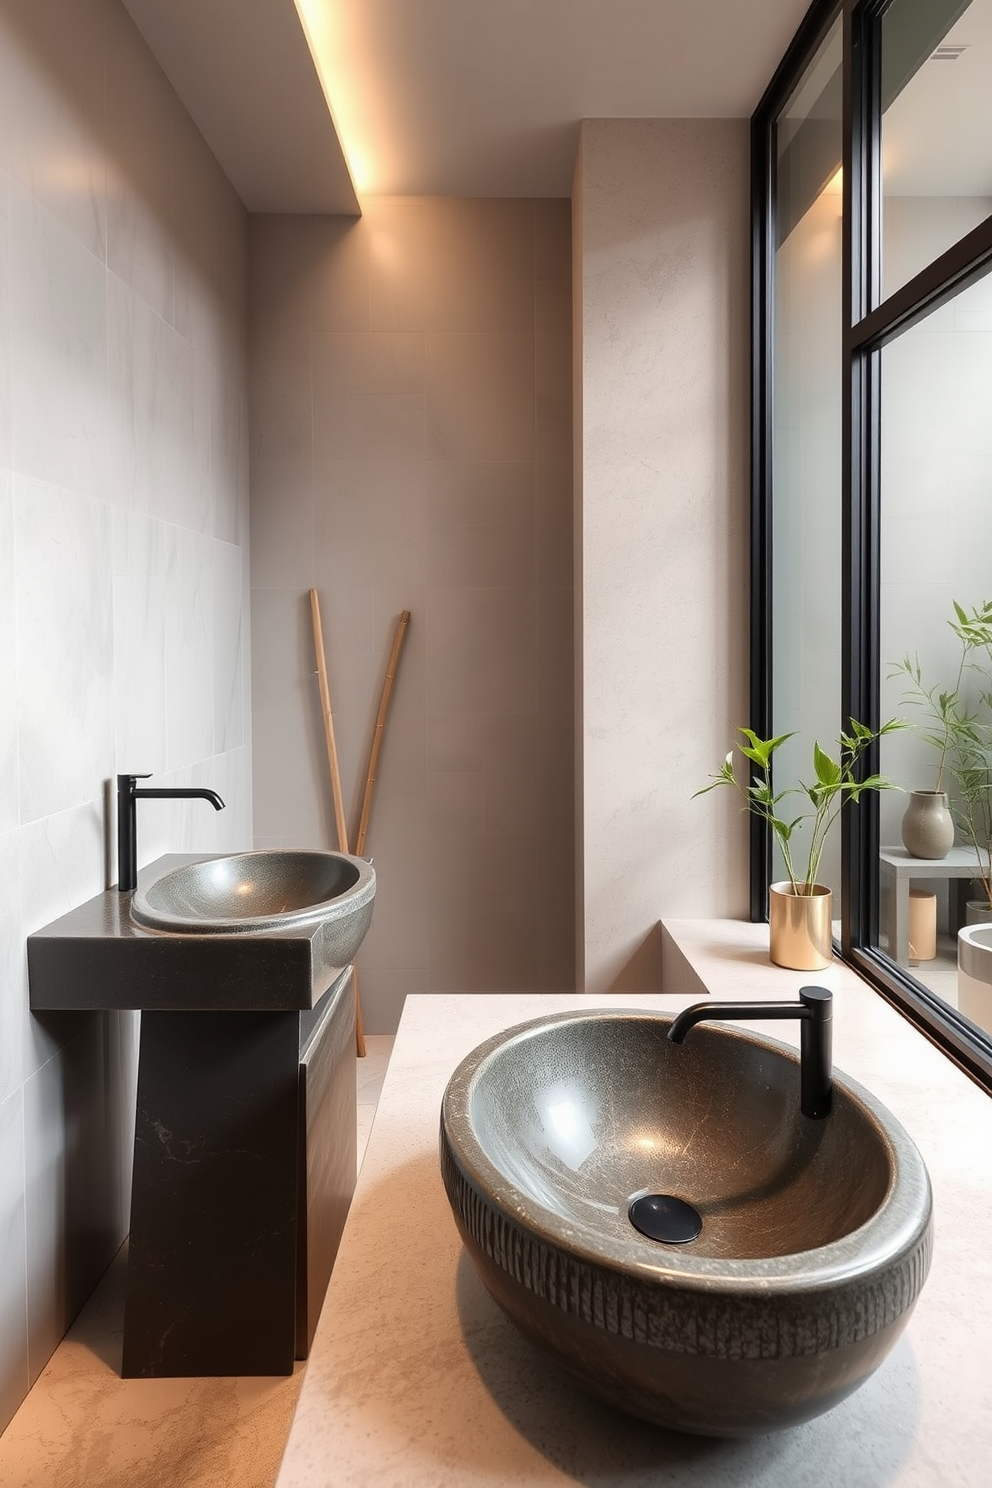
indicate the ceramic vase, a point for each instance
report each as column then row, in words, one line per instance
column 799, row 927
column 927, row 826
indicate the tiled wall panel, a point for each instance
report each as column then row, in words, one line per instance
column 411, row 449
column 123, row 566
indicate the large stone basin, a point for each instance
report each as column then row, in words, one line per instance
column 815, row 1238
column 273, row 889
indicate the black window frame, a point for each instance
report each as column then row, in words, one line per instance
column 869, row 323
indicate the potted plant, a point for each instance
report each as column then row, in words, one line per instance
column 958, row 724
column 799, row 906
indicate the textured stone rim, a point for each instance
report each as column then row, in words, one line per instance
column 781, row 1307
column 975, row 951
column 357, row 897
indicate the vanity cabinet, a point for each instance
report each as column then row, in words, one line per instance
column 245, row 1132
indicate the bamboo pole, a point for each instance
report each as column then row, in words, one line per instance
column 325, row 708
column 340, row 823
column 380, row 724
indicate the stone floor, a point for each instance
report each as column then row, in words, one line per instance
column 83, row 1426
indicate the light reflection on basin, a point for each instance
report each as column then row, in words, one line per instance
column 280, row 889
column 815, row 1239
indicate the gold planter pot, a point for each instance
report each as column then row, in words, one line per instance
column 800, row 937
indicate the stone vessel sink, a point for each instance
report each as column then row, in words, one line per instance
column 815, row 1238
column 279, row 889
column 975, row 973
column 249, row 932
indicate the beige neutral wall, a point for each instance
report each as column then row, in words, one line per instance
column 411, row 449
column 123, row 570
column 661, row 224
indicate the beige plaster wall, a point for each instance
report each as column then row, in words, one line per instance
column 411, row 449
column 661, row 234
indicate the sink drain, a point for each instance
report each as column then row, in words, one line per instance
column 666, row 1218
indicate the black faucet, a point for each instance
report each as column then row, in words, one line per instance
column 128, row 794
column 815, row 1008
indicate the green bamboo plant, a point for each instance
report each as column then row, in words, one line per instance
column 834, row 782
column 958, row 724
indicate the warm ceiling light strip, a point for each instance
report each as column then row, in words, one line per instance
column 317, row 24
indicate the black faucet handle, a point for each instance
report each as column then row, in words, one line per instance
column 128, row 796
column 817, row 998
column 816, row 1043
column 814, row 1010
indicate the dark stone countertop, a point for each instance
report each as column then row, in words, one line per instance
column 96, row 957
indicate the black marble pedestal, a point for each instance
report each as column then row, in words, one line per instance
column 244, row 1166
column 245, row 1139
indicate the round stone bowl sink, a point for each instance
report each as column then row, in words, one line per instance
column 975, row 973
column 815, row 1238
column 281, row 889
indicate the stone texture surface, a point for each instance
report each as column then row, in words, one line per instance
column 815, row 1240
column 417, row 1380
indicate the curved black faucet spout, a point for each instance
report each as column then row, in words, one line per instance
column 814, row 1008
column 128, row 793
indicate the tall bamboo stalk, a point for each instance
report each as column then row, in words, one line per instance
column 377, row 735
column 341, row 824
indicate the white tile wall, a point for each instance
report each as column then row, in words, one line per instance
column 140, row 549
column 14, row 1374
column 65, row 661
column 58, row 345
column 52, row 80
column 8, row 663
column 6, row 410
column 123, row 571
column 13, row 1001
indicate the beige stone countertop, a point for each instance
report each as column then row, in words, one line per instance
column 416, row 1379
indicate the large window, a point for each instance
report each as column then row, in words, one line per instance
column 806, row 419
column 872, row 470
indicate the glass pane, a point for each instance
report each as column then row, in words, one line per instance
column 936, row 130
column 936, row 532
column 806, row 453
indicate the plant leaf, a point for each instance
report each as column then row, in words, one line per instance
column 828, row 771
column 760, row 751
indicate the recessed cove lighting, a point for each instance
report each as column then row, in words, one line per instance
column 352, row 112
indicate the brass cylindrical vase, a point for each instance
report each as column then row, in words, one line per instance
column 922, row 926
column 800, row 932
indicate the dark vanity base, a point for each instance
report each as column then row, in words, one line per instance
column 244, row 1167
column 244, row 1152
